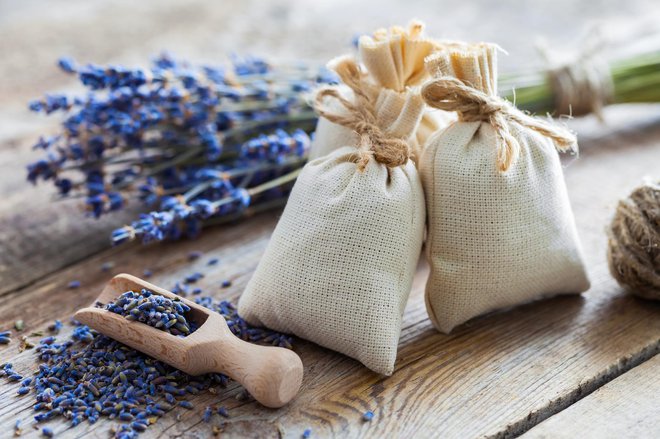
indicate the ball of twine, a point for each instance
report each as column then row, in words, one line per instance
column 634, row 244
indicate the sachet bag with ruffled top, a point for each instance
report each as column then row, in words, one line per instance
column 501, row 230
column 393, row 60
column 340, row 264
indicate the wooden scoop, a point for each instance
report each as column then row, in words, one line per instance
column 272, row 375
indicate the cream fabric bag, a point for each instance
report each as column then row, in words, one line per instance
column 394, row 60
column 500, row 227
column 340, row 264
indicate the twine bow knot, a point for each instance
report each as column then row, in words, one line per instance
column 473, row 105
column 360, row 116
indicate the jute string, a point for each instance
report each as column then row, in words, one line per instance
column 583, row 84
column 450, row 94
column 582, row 88
column 634, row 244
column 360, row 116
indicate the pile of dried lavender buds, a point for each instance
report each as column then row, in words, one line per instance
column 168, row 315
column 90, row 376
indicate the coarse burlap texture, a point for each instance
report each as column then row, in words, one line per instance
column 501, row 230
column 340, row 264
column 394, row 60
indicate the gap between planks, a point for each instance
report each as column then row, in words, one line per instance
column 624, row 407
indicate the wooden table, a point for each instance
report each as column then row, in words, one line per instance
column 567, row 367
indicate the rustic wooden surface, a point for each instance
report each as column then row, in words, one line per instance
column 496, row 376
column 624, row 407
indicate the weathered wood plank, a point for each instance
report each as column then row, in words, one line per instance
column 624, row 407
column 495, row 376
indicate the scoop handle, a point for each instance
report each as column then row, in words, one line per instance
column 271, row 374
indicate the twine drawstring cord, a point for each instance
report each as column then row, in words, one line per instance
column 451, row 94
column 360, row 116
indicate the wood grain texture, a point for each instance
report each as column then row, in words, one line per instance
column 624, row 407
column 495, row 376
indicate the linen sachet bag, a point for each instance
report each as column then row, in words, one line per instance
column 339, row 266
column 393, row 60
column 500, row 227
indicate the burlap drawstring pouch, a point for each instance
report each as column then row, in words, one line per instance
column 394, row 60
column 339, row 266
column 501, row 230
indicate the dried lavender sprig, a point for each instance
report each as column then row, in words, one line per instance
column 151, row 133
column 181, row 217
column 172, row 103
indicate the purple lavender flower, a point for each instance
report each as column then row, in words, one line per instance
column 67, row 64
column 192, row 142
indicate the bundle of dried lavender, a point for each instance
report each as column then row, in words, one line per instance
column 192, row 142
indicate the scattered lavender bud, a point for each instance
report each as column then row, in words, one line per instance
column 226, row 283
column 126, row 417
column 19, row 325
column 181, row 289
column 147, row 273
column 139, row 426
column 208, row 412
column 175, row 103
column 107, row 266
column 193, row 255
column 23, row 390
column 5, row 337
column 368, row 416
column 74, row 284
column 17, row 428
column 186, row 404
column 48, row 432
column 47, row 340
column 213, row 261
column 223, row 412
column 197, row 291
column 192, row 278
column 67, row 64
column 307, row 433
column 55, row 327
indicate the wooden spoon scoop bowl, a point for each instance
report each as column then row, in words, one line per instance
column 272, row 375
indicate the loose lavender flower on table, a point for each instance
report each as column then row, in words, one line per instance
column 55, row 327
column 90, row 376
column 190, row 142
column 5, row 337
